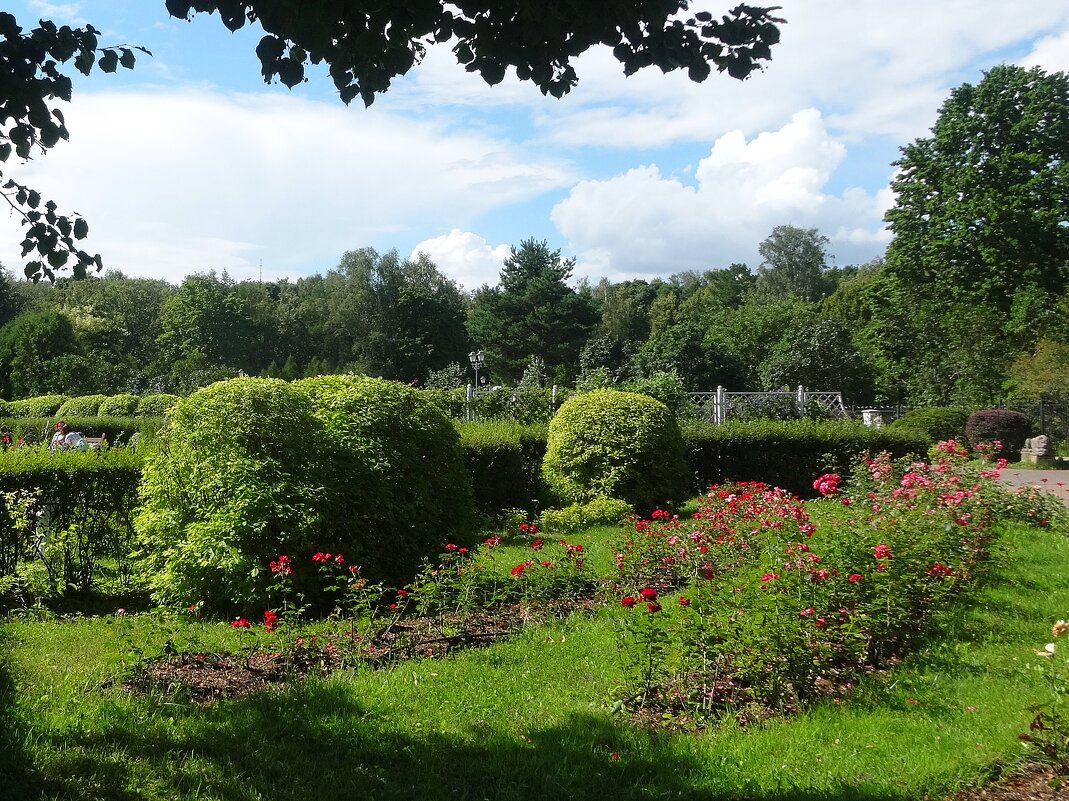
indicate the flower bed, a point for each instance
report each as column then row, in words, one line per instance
column 776, row 609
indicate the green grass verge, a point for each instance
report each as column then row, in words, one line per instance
column 526, row 719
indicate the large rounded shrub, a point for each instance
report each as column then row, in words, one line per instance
column 81, row 406
column 1008, row 427
column 936, row 423
column 612, row 444
column 124, row 405
column 397, row 483
column 232, row 484
column 251, row 468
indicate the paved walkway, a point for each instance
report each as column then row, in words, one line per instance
column 1056, row 482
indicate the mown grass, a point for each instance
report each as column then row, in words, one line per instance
column 530, row 718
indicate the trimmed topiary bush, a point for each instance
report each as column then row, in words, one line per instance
column 936, row 423
column 250, row 468
column 233, row 483
column 612, row 444
column 81, row 406
column 124, row 405
column 1008, row 427
column 38, row 406
column 156, row 404
column 397, row 485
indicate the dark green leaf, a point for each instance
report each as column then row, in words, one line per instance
column 109, row 61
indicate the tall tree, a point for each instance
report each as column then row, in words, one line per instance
column 981, row 224
column 30, row 346
column 365, row 45
column 794, row 263
column 982, row 205
column 532, row 312
column 204, row 325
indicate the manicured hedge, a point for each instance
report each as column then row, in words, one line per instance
column 612, row 444
column 156, row 404
column 787, row 454
column 505, row 461
column 81, row 406
column 37, row 406
column 81, row 517
column 124, row 405
column 116, row 430
column 250, row 469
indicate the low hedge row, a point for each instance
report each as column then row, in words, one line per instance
column 69, row 513
column 151, row 405
column 787, row 454
column 116, row 430
column 505, row 462
column 505, row 459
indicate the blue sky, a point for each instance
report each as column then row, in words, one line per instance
column 191, row 162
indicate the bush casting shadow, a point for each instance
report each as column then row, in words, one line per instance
column 335, row 749
column 17, row 779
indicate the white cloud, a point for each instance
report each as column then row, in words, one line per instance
column 875, row 68
column 63, row 11
column 1051, row 53
column 177, row 181
column 642, row 223
column 466, row 257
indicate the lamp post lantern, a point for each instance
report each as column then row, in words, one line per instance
column 477, row 359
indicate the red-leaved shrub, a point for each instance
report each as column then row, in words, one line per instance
column 1008, row 427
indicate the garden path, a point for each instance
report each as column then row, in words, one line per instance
column 1056, row 482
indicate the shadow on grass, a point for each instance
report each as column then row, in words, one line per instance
column 17, row 779
column 318, row 743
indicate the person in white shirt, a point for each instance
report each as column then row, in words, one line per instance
column 66, row 439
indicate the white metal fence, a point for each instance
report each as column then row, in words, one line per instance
column 721, row 405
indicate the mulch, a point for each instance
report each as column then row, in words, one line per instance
column 1033, row 782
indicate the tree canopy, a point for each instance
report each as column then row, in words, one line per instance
column 980, row 254
column 982, row 205
column 532, row 312
column 364, row 44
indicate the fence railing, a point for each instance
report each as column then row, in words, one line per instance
column 721, row 404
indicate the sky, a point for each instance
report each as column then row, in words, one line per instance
column 191, row 163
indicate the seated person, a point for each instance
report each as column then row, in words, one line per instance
column 67, row 439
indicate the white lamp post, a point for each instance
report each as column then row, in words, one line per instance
column 477, row 359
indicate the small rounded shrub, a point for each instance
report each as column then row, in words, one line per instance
column 5, row 409
column 581, row 516
column 155, row 404
column 38, row 406
column 124, row 405
column 612, row 444
column 1008, row 427
column 936, row 423
column 81, row 406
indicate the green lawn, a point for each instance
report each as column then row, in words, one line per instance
column 529, row 718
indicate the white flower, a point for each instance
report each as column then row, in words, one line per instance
column 1048, row 650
